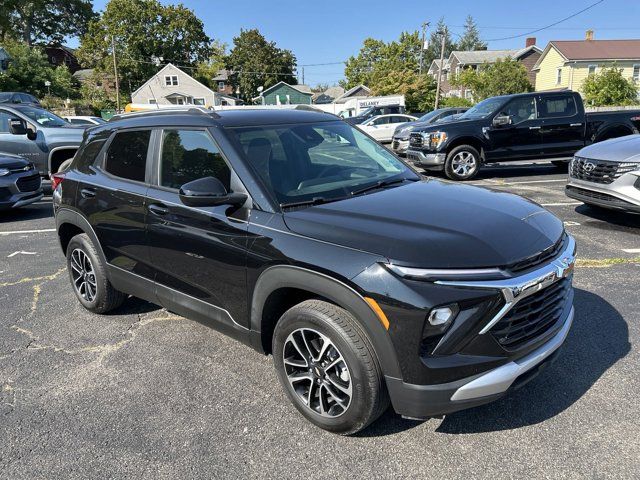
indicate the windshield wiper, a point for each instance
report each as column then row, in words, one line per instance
column 380, row 184
column 311, row 201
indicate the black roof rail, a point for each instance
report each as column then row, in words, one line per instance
column 194, row 110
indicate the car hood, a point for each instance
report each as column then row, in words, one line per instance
column 71, row 134
column 434, row 224
column 9, row 160
column 621, row 149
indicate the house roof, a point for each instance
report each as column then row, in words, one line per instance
column 585, row 50
column 83, row 74
column 353, row 90
column 436, row 63
column 222, row 75
column 482, row 56
column 305, row 89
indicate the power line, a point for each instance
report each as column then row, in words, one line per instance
column 548, row 26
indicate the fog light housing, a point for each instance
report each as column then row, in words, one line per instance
column 442, row 316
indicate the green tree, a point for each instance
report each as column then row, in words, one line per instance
column 435, row 44
column 256, row 62
column 146, row 34
column 471, row 37
column 47, row 21
column 205, row 71
column 377, row 59
column 419, row 90
column 29, row 70
column 609, row 87
column 503, row 77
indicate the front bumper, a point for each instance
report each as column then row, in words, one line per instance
column 622, row 194
column 431, row 161
column 400, row 146
column 423, row 401
column 18, row 190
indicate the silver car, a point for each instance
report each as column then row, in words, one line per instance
column 607, row 174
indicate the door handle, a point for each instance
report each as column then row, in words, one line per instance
column 535, row 128
column 158, row 209
column 576, row 125
column 88, row 192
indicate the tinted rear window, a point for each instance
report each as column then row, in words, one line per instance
column 127, row 155
column 561, row 106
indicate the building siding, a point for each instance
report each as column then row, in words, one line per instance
column 295, row 96
column 581, row 71
column 529, row 60
column 546, row 74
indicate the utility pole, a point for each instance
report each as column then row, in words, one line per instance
column 115, row 72
column 441, row 66
column 303, row 75
column 424, row 31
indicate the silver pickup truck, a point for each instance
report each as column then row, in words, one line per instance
column 38, row 136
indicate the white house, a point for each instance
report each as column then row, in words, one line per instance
column 172, row 86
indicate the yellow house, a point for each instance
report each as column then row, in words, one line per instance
column 566, row 64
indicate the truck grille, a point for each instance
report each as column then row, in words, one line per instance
column 28, row 184
column 599, row 171
column 533, row 316
column 416, row 140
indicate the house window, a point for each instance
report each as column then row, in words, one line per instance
column 220, row 85
column 592, row 69
column 152, row 101
column 559, row 76
column 170, row 80
column 636, row 73
column 198, row 101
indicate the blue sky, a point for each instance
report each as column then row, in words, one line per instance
column 331, row 31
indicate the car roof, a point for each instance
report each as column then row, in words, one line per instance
column 224, row 118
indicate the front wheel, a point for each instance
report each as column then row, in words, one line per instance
column 462, row 163
column 328, row 368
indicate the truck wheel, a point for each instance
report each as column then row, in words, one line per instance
column 462, row 163
column 64, row 165
column 89, row 277
column 328, row 367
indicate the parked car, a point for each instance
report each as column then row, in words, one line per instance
column 541, row 125
column 300, row 236
column 20, row 182
column 607, row 174
column 375, row 111
column 84, row 120
column 382, row 127
column 400, row 140
column 39, row 136
column 18, row 97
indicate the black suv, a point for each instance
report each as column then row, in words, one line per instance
column 300, row 236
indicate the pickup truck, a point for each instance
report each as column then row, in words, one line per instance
column 540, row 125
column 38, row 136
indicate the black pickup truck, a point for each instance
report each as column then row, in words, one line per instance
column 540, row 125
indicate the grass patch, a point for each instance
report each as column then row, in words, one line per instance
column 605, row 262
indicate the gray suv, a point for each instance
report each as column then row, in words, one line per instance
column 37, row 135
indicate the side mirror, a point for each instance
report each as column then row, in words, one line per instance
column 209, row 192
column 18, row 126
column 501, row 120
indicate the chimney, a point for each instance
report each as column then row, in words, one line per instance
column 530, row 42
column 589, row 35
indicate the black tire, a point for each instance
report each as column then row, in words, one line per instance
column 369, row 397
column 455, row 157
column 105, row 297
column 65, row 165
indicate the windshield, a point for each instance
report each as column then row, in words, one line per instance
column 42, row 117
column 98, row 120
column 483, row 109
column 429, row 116
column 5, row 96
column 326, row 161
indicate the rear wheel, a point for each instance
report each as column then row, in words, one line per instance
column 462, row 163
column 89, row 277
column 328, row 368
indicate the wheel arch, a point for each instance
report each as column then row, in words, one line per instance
column 467, row 140
column 70, row 223
column 318, row 285
column 57, row 155
column 613, row 131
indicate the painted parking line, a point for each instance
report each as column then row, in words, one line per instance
column 631, row 250
column 20, row 232
column 560, row 204
column 550, row 180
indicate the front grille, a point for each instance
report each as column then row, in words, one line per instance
column 416, row 140
column 599, row 171
column 539, row 258
column 592, row 194
column 533, row 316
column 396, row 144
column 5, row 193
column 28, row 184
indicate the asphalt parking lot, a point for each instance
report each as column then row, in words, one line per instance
column 142, row 393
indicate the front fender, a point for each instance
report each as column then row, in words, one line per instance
column 289, row 276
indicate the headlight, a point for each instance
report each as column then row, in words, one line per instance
column 435, row 274
column 4, row 172
column 437, row 139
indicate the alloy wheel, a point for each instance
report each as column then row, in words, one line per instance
column 317, row 372
column 464, row 163
column 84, row 278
